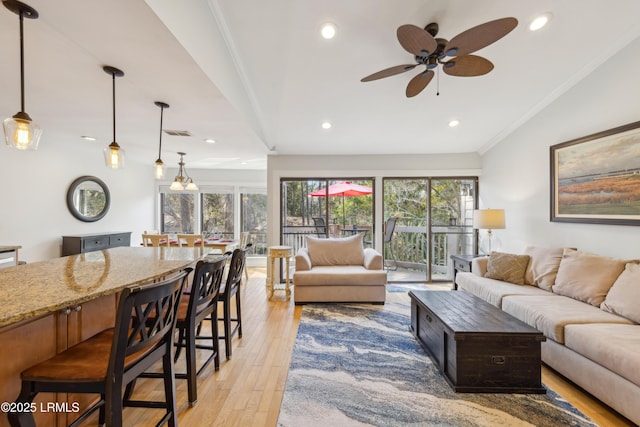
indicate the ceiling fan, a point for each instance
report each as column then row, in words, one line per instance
column 431, row 52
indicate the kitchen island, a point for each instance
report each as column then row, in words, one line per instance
column 52, row 305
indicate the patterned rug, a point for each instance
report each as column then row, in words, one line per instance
column 358, row 365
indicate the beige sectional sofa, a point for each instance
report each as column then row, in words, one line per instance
column 339, row 270
column 588, row 307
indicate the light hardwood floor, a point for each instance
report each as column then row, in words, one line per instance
column 248, row 388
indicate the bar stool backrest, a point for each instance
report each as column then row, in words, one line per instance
column 144, row 327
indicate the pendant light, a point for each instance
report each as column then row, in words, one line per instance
column 159, row 166
column 20, row 131
column 113, row 154
column 182, row 181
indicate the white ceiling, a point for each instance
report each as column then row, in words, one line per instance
column 256, row 76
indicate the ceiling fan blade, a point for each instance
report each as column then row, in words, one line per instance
column 416, row 40
column 388, row 72
column 480, row 36
column 418, row 83
column 467, row 66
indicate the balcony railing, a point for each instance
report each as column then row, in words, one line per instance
column 409, row 244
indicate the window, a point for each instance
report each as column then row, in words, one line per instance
column 253, row 217
column 177, row 212
column 218, row 213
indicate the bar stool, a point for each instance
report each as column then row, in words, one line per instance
column 201, row 303
column 115, row 357
column 230, row 289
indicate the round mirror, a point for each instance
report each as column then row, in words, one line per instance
column 88, row 198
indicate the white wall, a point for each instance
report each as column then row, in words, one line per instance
column 33, row 209
column 376, row 166
column 516, row 171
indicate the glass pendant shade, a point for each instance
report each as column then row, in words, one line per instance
column 176, row 185
column 159, row 169
column 20, row 131
column 21, row 134
column 114, row 156
column 191, row 186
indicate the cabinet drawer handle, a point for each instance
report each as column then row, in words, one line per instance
column 77, row 308
column 429, row 319
column 66, row 311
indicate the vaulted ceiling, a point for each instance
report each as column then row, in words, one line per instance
column 257, row 77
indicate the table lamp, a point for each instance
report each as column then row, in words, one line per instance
column 489, row 219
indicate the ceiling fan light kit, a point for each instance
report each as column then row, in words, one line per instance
column 430, row 52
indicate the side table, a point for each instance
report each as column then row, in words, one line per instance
column 462, row 263
column 282, row 252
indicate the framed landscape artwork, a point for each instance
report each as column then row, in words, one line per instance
column 596, row 179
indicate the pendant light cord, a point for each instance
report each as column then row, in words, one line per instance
column 113, row 77
column 160, row 144
column 21, row 14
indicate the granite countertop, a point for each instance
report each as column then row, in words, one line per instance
column 40, row 288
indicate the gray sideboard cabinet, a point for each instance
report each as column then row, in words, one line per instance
column 81, row 243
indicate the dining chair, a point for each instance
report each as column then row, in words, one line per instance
column 230, row 289
column 112, row 359
column 155, row 240
column 190, row 240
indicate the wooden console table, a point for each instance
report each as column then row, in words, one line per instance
column 9, row 256
column 478, row 347
column 82, row 243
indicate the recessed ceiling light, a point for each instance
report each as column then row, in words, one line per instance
column 328, row 31
column 540, row 21
column 210, row 140
column 88, row 138
column 326, row 125
column 453, row 123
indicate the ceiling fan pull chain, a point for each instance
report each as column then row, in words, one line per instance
column 438, row 82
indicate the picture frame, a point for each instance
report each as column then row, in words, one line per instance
column 596, row 179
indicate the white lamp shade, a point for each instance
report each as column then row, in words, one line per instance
column 176, row 186
column 488, row 219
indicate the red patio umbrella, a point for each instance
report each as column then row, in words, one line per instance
column 344, row 188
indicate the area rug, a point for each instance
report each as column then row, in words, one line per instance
column 358, row 365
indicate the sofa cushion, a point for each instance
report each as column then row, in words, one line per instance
column 624, row 296
column 550, row 314
column 616, row 347
column 340, row 276
column 543, row 266
column 507, row 267
column 587, row 277
column 336, row 251
column 492, row 291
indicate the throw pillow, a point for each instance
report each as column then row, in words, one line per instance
column 543, row 267
column 507, row 267
column 587, row 277
column 624, row 296
column 341, row 251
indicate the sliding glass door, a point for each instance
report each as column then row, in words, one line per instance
column 323, row 207
column 434, row 219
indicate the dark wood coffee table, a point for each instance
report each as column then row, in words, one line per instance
column 478, row 347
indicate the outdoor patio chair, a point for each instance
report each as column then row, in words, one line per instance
column 321, row 227
column 389, row 227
